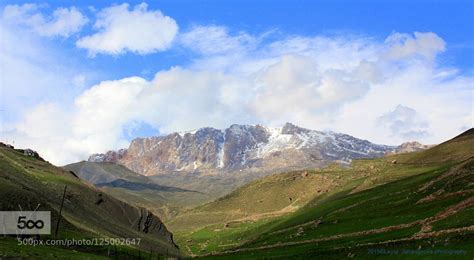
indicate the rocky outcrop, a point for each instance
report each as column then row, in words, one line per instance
column 409, row 147
column 241, row 148
column 110, row 156
column 151, row 224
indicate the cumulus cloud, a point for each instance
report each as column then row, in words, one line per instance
column 138, row 30
column 345, row 84
column 62, row 22
column 425, row 45
column 405, row 122
column 295, row 89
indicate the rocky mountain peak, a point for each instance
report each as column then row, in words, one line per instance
column 110, row 156
column 241, row 148
column 408, row 147
column 291, row 129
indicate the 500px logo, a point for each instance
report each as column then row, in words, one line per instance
column 25, row 222
column 29, row 224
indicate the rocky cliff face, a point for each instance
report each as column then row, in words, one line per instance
column 240, row 148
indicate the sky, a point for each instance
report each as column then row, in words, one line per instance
column 84, row 77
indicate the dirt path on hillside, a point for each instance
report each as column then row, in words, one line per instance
column 425, row 230
column 453, row 171
column 254, row 217
column 413, row 238
column 426, row 223
column 318, row 221
column 439, row 195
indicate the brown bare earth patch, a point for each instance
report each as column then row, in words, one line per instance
column 457, row 170
column 426, row 223
column 438, row 195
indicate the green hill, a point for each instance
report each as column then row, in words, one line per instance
column 29, row 183
column 136, row 189
column 95, row 173
column 418, row 201
column 457, row 149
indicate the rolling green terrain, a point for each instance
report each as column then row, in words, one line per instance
column 29, row 183
column 131, row 187
column 404, row 206
column 382, row 207
column 95, row 173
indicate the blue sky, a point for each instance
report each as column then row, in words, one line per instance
column 451, row 20
column 89, row 76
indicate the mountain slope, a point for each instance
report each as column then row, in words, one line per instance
column 397, row 216
column 28, row 183
column 457, row 149
column 240, row 148
column 95, row 173
column 411, row 204
column 136, row 189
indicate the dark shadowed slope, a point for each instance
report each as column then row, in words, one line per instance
column 94, row 172
column 27, row 183
column 163, row 200
column 140, row 186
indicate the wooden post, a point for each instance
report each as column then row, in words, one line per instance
column 60, row 211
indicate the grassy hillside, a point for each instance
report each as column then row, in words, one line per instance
column 423, row 201
column 94, row 172
column 457, row 149
column 131, row 187
column 27, row 183
column 213, row 185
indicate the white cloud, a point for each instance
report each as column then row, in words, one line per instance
column 62, row 22
column 211, row 40
column 405, row 122
column 31, row 72
column 340, row 83
column 137, row 30
column 296, row 90
column 402, row 45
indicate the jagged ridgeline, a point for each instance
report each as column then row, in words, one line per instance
column 244, row 148
column 29, row 183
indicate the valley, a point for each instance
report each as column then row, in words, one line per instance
column 389, row 204
column 236, row 130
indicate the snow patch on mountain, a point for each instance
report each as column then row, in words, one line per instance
column 220, row 155
column 276, row 142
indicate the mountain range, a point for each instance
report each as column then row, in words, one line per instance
column 245, row 148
